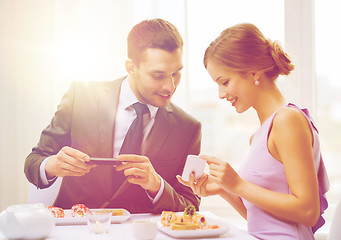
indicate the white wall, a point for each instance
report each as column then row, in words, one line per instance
column 26, row 30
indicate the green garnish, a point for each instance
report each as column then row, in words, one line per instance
column 190, row 210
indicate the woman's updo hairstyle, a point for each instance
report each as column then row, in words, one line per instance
column 244, row 48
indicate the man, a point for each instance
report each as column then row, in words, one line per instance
column 92, row 121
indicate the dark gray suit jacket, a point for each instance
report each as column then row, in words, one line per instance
column 85, row 120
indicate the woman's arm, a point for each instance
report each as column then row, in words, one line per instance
column 235, row 202
column 290, row 142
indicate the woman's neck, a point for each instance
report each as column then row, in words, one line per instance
column 270, row 99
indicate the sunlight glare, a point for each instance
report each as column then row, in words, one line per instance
column 74, row 56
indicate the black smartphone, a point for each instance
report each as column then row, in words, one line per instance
column 105, row 161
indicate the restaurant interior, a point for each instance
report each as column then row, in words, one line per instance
column 45, row 45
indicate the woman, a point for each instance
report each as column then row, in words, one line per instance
column 281, row 185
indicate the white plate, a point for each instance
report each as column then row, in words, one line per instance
column 69, row 220
column 199, row 233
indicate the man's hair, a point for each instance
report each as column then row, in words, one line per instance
column 154, row 33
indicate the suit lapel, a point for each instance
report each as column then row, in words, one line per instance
column 159, row 133
column 107, row 108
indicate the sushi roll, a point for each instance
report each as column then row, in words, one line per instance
column 79, row 210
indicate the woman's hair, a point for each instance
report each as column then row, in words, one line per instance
column 154, row 33
column 244, row 48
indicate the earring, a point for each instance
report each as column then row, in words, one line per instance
column 256, row 82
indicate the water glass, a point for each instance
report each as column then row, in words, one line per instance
column 99, row 221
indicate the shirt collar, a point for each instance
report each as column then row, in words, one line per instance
column 128, row 98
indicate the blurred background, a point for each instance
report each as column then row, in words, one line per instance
column 47, row 44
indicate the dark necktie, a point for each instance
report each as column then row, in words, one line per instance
column 133, row 139
column 131, row 145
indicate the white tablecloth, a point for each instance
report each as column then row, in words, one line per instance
column 123, row 231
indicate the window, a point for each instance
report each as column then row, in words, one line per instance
column 225, row 133
column 328, row 89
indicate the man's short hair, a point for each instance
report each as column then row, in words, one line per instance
column 154, row 33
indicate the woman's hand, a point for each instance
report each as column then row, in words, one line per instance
column 220, row 180
column 223, row 174
column 203, row 186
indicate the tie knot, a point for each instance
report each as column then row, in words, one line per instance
column 140, row 109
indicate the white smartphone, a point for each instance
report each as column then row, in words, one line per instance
column 193, row 164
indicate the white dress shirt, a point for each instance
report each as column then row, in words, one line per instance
column 126, row 114
column 124, row 117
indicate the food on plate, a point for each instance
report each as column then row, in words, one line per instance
column 79, row 210
column 184, row 218
column 114, row 212
column 190, row 210
column 199, row 219
column 214, row 226
column 57, row 212
column 190, row 215
column 117, row 212
column 184, row 226
column 168, row 217
column 188, row 220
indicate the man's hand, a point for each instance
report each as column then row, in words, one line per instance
column 68, row 162
column 140, row 171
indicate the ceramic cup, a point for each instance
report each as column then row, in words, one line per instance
column 99, row 221
column 144, row 229
column 26, row 221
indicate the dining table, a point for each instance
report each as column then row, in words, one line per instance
column 123, row 230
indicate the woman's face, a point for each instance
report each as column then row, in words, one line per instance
column 236, row 87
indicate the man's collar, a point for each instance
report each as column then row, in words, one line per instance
column 128, row 98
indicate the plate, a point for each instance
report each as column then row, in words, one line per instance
column 69, row 220
column 199, row 233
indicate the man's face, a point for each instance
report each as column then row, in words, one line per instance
column 156, row 79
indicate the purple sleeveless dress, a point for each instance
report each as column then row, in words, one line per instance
column 262, row 169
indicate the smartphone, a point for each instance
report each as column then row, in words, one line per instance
column 193, row 164
column 105, row 161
